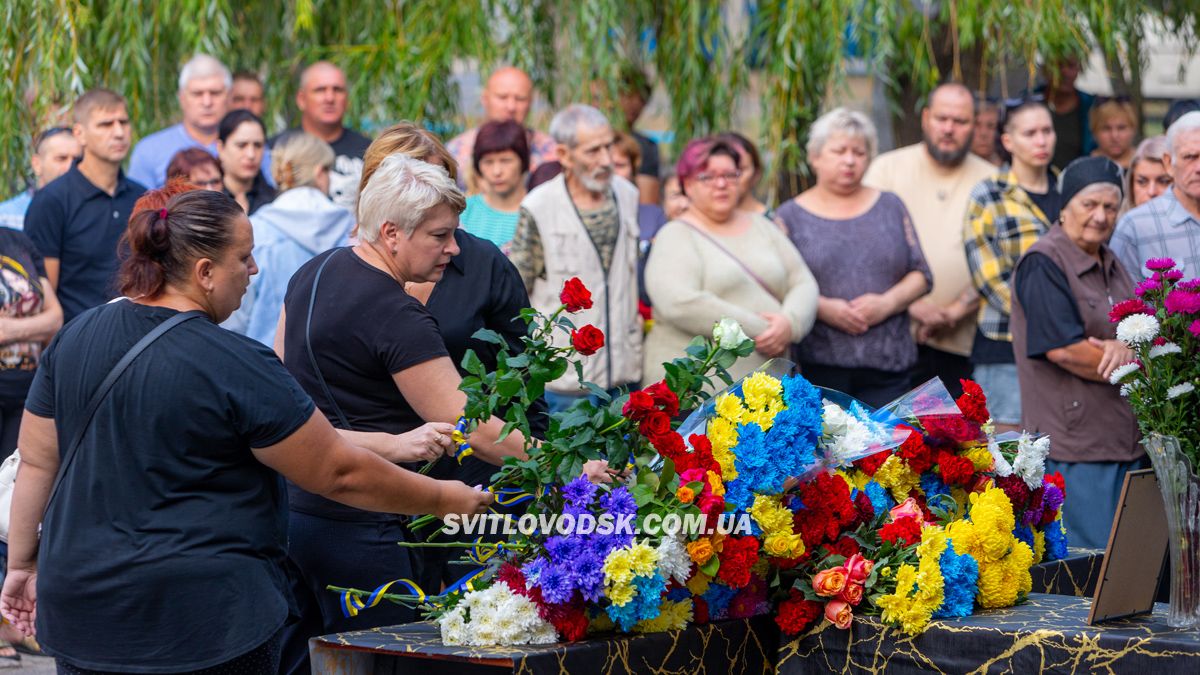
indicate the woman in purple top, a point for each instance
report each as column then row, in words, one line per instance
column 861, row 246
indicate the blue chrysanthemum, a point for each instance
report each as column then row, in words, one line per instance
column 718, row 596
column 881, row 499
column 1056, row 541
column 1023, row 533
column 644, row 605
column 961, row 576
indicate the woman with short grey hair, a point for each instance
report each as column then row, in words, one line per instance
column 862, row 248
column 372, row 358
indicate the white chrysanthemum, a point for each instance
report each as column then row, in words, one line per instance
column 1121, row 371
column 498, row 617
column 1127, row 388
column 1164, row 349
column 1137, row 329
column 849, row 434
column 673, row 559
column 1180, row 389
column 1000, row 467
column 1030, row 463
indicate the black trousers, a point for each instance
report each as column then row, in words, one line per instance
column 874, row 387
column 950, row 368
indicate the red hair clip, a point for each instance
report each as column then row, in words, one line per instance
column 162, row 213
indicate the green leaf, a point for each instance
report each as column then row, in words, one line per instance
column 489, row 335
column 711, row 566
column 472, row 364
column 519, row 361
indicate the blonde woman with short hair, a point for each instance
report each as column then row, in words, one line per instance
column 301, row 223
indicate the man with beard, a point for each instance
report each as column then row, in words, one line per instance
column 934, row 179
column 583, row 223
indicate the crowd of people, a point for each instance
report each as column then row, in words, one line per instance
column 304, row 301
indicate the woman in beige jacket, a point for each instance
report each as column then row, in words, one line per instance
column 717, row 262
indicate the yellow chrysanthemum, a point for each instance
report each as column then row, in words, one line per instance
column 855, row 478
column 980, row 457
column 621, row 594
column 715, row 484
column 643, row 559
column 723, row 435
column 698, row 584
column 1039, row 546
column 765, row 419
column 771, row 516
column 671, row 616
column 895, row 475
column 759, row 389
column 729, row 407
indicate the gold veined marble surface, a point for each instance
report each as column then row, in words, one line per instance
column 737, row 646
column 1074, row 575
column 1048, row 634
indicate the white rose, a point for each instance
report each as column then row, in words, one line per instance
column 728, row 334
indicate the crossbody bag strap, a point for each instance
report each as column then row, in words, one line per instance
column 312, row 358
column 749, row 272
column 105, row 386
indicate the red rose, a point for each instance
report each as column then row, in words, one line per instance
column 587, row 340
column 663, row 397
column 654, row 424
column 845, row 547
column 575, row 296
column 638, row 406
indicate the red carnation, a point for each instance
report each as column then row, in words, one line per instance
column 669, row 445
column 902, row 532
column 663, row 397
column 955, row 470
column 737, row 556
column 797, row 613
column 570, row 620
column 587, row 340
column 871, row 463
column 638, row 406
column 575, row 296
column 866, row 511
column 1016, row 489
column 915, row 453
column 845, row 547
column 1057, row 479
column 973, row 402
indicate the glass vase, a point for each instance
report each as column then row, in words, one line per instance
column 1180, row 488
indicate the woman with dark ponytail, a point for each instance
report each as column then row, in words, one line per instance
column 162, row 542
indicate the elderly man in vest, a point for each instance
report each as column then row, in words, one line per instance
column 583, row 223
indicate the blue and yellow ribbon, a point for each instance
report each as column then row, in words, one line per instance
column 462, row 449
column 352, row 604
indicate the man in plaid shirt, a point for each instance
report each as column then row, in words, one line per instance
column 1005, row 215
column 1169, row 225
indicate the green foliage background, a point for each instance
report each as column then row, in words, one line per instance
column 399, row 54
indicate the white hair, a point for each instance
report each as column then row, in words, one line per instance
column 203, row 65
column 1188, row 122
column 564, row 128
column 841, row 121
column 402, row 191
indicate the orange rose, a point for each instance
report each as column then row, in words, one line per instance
column 858, row 568
column 830, row 582
column 700, row 551
column 685, row 494
column 909, row 509
column 839, row 613
column 852, row 593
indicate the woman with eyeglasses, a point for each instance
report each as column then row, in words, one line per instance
column 716, row 262
column 196, row 166
column 863, row 250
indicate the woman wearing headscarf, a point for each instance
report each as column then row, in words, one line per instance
column 1066, row 349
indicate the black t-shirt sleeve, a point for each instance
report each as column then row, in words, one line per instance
column 40, row 399
column 1051, row 313
column 508, row 298
column 408, row 338
column 44, row 224
column 649, row 166
column 268, row 403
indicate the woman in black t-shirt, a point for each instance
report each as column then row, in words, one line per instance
column 164, row 548
column 372, row 358
column 29, row 316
